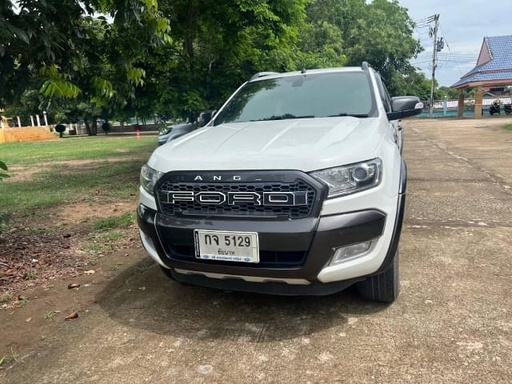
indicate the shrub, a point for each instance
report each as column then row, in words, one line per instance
column 3, row 168
column 106, row 127
column 60, row 128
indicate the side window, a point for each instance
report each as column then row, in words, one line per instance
column 384, row 94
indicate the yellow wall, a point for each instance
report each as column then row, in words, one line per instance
column 13, row 135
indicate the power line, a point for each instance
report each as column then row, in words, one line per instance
column 458, row 57
column 429, row 30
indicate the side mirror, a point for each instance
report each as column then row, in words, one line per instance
column 405, row 106
column 205, row 117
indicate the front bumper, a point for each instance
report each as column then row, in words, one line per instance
column 295, row 255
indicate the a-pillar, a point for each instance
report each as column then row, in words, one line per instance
column 479, row 98
column 460, row 104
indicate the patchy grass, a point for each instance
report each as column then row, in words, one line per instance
column 64, row 184
column 98, row 243
column 13, row 356
column 5, row 298
column 508, row 127
column 56, row 194
column 144, row 267
column 115, row 222
column 107, row 234
column 4, row 222
column 24, row 301
column 30, row 274
column 76, row 148
column 67, row 206
column 61, row 180
column 50, row 315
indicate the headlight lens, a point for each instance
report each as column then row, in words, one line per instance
column 149, row 178
column 351, row 178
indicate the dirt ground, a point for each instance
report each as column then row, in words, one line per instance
column 451, row 324
column 40, row 257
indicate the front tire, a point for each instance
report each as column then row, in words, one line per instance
column 383, row 287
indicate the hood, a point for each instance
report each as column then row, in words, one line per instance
column 305, row 144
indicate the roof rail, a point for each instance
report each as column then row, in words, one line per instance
column 262, row 74
column 365, row 66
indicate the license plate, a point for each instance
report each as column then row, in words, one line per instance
column 240, row 247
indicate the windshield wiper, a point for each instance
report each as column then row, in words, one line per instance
column 285, row 117
column 349, row 114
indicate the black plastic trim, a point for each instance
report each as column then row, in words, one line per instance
column 403, row 177
column 318, row 237
column 270, row 287
column 397, row 229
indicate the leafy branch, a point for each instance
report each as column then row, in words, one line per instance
column 3, row 167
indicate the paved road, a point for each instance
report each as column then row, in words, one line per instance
column 451, row 324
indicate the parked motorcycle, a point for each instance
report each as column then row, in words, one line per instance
column 494, row 108
column 508, row 108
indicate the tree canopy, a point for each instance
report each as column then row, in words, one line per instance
column 174, row 58
column 82, row 50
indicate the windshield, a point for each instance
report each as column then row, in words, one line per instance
column 301, row 96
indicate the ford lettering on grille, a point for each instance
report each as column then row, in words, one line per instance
column 233, row 198
column 278, row 195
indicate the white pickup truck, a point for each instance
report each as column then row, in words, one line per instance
column 295, row 187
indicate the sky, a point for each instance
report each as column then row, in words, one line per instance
column 463, row 25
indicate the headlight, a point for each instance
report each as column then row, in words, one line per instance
column 149, row 177
column 351, row 178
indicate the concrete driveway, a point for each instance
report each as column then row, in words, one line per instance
column 451, row 324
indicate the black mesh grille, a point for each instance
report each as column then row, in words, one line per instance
column 249, row 209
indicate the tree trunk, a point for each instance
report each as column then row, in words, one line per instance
column 91, row 127
column 87, row 127
column 190, row 34
column 94, row 127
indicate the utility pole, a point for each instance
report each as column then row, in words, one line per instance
column 438, row 46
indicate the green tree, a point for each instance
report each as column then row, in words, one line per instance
column 216, row 46
column 131, row 64
column 450, row 93
column 58, row 47
column 413, row 83
column 320, row 45
column 379, row 32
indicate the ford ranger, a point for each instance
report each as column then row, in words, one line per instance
column 295, row 187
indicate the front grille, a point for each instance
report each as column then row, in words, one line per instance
column 192, row 207
column 268, row 259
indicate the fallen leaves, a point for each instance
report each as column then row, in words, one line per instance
column 71, row 316
column 29, row 255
